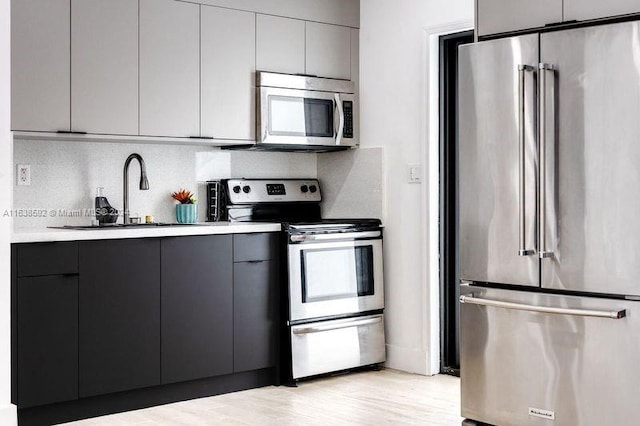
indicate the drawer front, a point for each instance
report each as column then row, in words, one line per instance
column 327, row 346
column 522, row 368
column 47, row 259
column 249, row 247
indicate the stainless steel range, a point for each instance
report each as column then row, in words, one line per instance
column 335, row 299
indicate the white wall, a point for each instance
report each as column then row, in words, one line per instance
column 7, row 411
column 393, row 114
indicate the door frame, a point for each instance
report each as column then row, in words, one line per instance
column 431, row 189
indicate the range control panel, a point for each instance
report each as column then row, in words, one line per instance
column 250, row 191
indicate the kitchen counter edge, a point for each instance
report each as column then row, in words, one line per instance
column 208, row 228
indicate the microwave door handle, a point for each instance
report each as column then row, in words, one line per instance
column 340, row 113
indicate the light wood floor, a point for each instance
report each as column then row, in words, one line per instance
column 385, row 397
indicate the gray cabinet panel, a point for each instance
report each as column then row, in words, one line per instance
column 280, row 44
column 591, row 9
column 46, row 258
column 489, row 161
column 197, row 307
column 328, row 50
column 119, row 315
column 104, row 67
column 255, row 315
column 248, row 247
column 47, row 336
column 499, row 16
column 169, row 68
column 593, row 227
column 228, row 64
column 40, row 65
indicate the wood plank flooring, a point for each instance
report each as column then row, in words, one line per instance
column 385, row 397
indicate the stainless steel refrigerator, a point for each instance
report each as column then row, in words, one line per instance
column 549, row 222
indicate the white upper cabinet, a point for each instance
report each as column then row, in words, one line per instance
column 499, row 16
column 580, row 10
column 280, row 44
column 228, row 64
column 169, row 68
column 40, row 65
column 355, row 56
column 328, row 50
column 104, row 66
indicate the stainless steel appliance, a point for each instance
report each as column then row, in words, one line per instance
column 305, row 113
column 335, row 296
column 549, row 205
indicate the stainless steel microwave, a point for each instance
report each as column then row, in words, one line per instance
column 306, row 113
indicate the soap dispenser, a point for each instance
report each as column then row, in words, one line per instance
column 105, row 214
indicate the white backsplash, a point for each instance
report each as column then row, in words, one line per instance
column 352, row 183
column 65, row 175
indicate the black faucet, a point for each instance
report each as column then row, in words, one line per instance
column 144, row 182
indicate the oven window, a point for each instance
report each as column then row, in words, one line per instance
column 293, row 116
column 337, row 273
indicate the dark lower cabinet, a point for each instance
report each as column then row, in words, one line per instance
column 255, row 315
column 197, row 303
column 47, row 328
column 119, row 315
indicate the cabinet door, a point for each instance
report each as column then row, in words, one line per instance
column 228, row 64
column 328, row 50
column 47, row 329
column 499, row 16
column 280, row 44
column 40, row 65
column 104, row 66
column 580, row 10
column 169, row 68
column 197, row 317
column 255, row 315
column 355, row 56
column 119, row 315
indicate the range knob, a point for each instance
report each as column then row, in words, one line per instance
column 246, row 189
column 236, row 189
column 313, row 188
column 304, row 189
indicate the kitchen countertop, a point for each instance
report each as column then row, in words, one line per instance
column 204, row 228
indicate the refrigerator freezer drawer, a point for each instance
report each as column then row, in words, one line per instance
column 541, row 359
column 327, row 346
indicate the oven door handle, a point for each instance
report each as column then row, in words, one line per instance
column 346, row 324
column 335, row 236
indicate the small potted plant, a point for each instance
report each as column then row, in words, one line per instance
column 187, row 209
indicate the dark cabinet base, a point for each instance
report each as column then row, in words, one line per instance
column 143, row 398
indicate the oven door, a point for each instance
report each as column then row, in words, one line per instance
column 303, row 117
column 334, row 277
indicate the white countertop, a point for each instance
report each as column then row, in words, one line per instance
column 204, row 228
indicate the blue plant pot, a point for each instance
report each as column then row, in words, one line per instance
column 186, row 213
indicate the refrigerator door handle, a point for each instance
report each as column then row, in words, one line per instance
column 543, row 309
column 542, row 147
column 522, row 245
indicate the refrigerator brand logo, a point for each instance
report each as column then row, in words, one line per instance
column 543, row 414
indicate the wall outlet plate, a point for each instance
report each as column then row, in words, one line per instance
column 414, row 173
column 23, row 176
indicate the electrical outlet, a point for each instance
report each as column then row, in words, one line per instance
column 415, row 173
column 23, row 177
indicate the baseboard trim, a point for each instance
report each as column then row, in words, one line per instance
column 407, row 359
column 9, row 415
column 143, row 398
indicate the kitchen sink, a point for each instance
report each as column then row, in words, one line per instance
column 124, row 226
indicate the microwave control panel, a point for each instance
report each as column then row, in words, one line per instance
column 347, row 107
